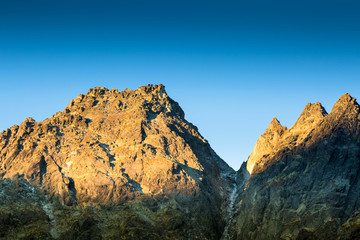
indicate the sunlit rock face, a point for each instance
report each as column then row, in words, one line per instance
column 278, row 138
column 109, row 148
column 304, row 181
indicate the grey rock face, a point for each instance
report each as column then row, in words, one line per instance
column 309, row 187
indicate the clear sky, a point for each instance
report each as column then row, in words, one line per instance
column 232, row 65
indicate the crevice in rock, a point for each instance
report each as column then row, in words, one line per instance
column 111, row 157
column 72, row 190
column 7, row 138
column 42, row 166
column 136, row 186
column 230, row 209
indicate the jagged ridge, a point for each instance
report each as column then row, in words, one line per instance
column 306, row 185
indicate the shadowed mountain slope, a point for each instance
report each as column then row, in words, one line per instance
column 304, row 181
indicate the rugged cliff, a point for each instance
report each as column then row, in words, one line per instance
column 304, row 181
column 123, row 163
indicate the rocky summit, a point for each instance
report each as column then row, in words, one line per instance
column 112, row 165
column 303, row 182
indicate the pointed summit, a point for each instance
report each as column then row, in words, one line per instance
column 265, row 144
column 313, row 112
column 275, row 126
column 346, row 98
column 275, row 121
column 345, row 102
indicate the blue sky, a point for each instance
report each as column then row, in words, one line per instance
column 232, row 65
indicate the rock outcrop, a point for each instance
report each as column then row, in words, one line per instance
column 304, row 181
column 131, row 153
column 265, row 146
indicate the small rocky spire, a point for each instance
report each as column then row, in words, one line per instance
column 312, row 112
column 275, row 126
column 345, row 102
column 265, row 143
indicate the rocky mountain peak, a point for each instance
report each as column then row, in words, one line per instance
column 312, row 112
column 107, row 146
column 150, row 100
column 346, row 104
column 345, row 99
column 305, row 185
column 132, row 152
column 278, row 138
column 275, row 126
column 265, row 145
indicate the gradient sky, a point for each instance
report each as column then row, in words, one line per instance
column 232, row 65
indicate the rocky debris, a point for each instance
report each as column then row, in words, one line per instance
column 306, row 185
column 109, row 148
column 351, row 228
column 24, row 214
column 21, row 213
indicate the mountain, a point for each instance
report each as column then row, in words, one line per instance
column 303, row 182
column 127, row 165
column 112, row 164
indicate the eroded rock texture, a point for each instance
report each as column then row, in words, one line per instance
column 111, row 149
column 304, row 181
